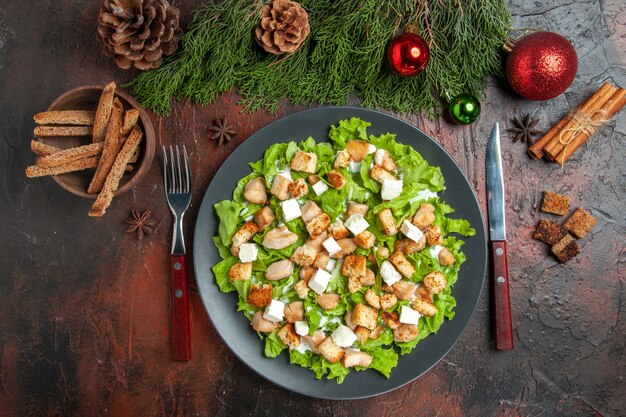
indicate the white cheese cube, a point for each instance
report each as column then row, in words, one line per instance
column 275, row 311
column 354, row 166
column 379, row 156
column 411, row 231
column 248, row 252
column 408, row 315
column 356, row 224
column 319, row 281
column 371, row 149
column 389, row 273
column 331, row 246
column 343, row 336
column 291, row 209
column 302, row 328
column 391, row 189
column 331, row 264
column 320, row 187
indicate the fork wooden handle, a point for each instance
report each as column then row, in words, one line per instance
column 181, row 334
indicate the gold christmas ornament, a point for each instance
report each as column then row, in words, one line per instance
column 284, row 27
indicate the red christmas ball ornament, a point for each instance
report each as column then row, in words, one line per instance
column 540, row 66
column 408, row 54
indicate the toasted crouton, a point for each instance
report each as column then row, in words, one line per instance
column 287, row 334
column 405, row 333
column 357, row 149
column 365, row 239
column 424, row 307
column 240, row 271
column 313, row 179
column 365, row 316
column 304, row 162
column 409, row 246
column 387, row 301
column 310, row 210
column 243, row 235
column 362, row 333
column 338, row 230
column 402, row 264
column 260, row 324
column 302, row 289
column 388, row 222
column 264, row 217
column 330, row 351
column 298, row 188
column 356, row 358
column 294, row 312
column 565, row 249
column 280, row 187
column 423, row 293
column 368, row 279
column 391, row 320
column 354, row 285
column 433, row 236
column 549, row 232
column 260, row 295
column 555, row 203
column 328, row 301
column 446, row 258
column 372, row 298
column 321, row 260
column 353, row 266
column 343, row 159
column 356, row 208
column 425, row 216
column 318, row 225
column 380, row 175
column 347, row 246
column 580, row 223
column 435, row 282
column 336, row 180
column 304, row 255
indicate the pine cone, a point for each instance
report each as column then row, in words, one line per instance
column 284, row 27
column 138, row 32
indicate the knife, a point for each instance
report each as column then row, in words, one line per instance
column 497, row 243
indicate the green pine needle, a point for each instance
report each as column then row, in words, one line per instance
column 343, row 55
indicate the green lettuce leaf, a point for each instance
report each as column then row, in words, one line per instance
column 273, row 345
column 383, row 360
column 228, row 213
column 349, row 129
column 220, row 271
column 322, row 367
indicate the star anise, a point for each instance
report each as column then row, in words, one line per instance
column 222, row 132
column 524, row 129
column 141, row 223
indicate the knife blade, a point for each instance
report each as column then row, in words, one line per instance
column 497, row 243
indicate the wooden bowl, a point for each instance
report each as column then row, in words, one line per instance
column 86, row 98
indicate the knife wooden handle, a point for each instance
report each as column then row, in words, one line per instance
column 501, row 301
column 181, row 332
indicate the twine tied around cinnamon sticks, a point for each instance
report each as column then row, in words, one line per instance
column 560, row 142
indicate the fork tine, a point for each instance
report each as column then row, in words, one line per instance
column 165, row 179
column 187, row 171
column 172, row 171
column 179, row 172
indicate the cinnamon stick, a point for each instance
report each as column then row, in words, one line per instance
column 591, row 105
column 536, row 150
column 613, row 105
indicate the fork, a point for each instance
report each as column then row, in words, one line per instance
column 177, row 180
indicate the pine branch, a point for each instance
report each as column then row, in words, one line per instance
column 344, row 54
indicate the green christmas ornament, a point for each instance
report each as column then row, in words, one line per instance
column 464, row 109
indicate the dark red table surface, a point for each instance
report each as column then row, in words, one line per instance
column 84, row 307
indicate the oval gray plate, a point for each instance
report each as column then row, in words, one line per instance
column 234, row 328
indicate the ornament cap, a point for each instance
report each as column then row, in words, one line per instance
column 509, row 44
